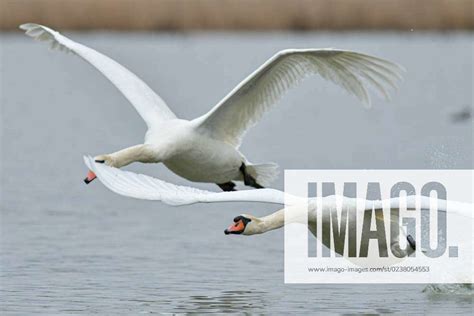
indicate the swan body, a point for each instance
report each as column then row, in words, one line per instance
column 202, row 159
column 192, row 155
column 206, row 149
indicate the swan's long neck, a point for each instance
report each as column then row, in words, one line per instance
column 140, row 153
column 296, row 214
column 273, row 221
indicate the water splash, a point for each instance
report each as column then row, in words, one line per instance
column 450, row 289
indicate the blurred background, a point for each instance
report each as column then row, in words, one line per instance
column 67, row 248
column 240, row 14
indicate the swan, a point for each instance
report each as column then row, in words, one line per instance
column 140, row 186
column 206, row 149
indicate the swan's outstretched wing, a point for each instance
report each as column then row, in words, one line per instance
column 144, row 187
column 413, row 202
column 147, row 103
column 244, row 105
column 424, row 202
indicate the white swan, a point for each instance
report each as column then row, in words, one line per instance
column 206, row 149
column 140, row 186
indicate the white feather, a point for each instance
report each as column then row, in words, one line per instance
column 246, row 103
column 144, row 187
column 148, row 104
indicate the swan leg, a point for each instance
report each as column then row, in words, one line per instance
column 248, row 179
column 400, row 253
column 411, row 242
column 228, row 186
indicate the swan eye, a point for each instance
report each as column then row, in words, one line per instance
column 100, row 161
column 244, row 219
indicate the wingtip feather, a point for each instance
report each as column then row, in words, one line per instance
column 27, row 26
column 89, row 161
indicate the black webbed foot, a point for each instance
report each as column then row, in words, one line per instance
column 411, row 242
column 248, row 179
column 228, row 186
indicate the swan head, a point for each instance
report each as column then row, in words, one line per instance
column 244, row 225
column 107, row 159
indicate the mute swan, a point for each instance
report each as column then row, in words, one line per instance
column 144, row 187
column 206, row 149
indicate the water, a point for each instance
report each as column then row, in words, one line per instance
column 67, row 248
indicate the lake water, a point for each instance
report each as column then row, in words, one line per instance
column 68, row 248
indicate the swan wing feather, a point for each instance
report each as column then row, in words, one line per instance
column 144, row 187
column 148, row 104
column 412, row 202
column 248, row 101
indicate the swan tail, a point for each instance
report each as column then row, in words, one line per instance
column 264, row 173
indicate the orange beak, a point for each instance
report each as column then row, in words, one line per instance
column 236, row 228
column 90, row 177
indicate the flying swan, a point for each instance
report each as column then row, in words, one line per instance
column 206, row 149
column 144, row 187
